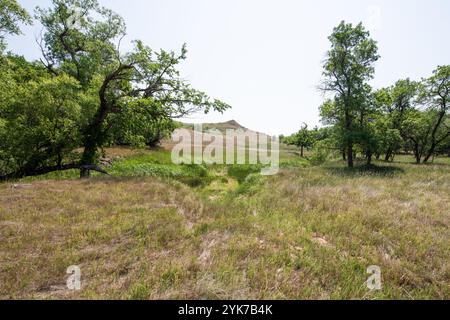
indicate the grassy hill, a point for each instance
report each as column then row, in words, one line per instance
column 154, row 230
column 221, row 126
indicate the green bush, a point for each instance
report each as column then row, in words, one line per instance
column 241, row 172
column 150, row 165
column 320, row 154
column 250, row 184
column 294, row 163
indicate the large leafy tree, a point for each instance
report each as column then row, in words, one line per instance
column 394, row 103
column 11, row 15
column 39, row 118
column 417, row 126
column 347, row 68
column 437, row 98
column 87, row 73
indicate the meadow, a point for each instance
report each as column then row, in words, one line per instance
column 155, row 230
column 76, row 86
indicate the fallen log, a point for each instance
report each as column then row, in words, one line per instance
column 45, row 170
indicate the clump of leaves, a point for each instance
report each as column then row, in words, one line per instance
column 320, row 154
column 241, row 172
column 250, row 184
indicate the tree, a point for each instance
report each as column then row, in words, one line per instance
column 113, row 83
column 428, row 128
column 39, row 118
column 437, row 97
column 417, row 129
column 11, row 14
column 84, row 91
column 347, row 68
column 303, row 139
column 394, row 102
column 329, row 113
column 139, row 129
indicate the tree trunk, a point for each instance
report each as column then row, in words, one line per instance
column 85, row 173
column 89, row 154
column 429, row 155
column 350, row 156
column 388, row 155
column 417, row 153
column 434, row 141
column 369, row 158
column 94, row 136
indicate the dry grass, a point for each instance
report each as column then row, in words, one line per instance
column 306, row 233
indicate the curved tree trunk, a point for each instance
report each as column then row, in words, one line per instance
column 94, row 135
column 388, row 155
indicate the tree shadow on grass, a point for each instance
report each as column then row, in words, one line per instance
column 366, row 170
column 429, row 164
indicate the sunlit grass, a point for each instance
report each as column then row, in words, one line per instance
column 310, row 232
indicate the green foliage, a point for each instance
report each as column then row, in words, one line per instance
column 303, row 139
column 351, row 57
column 11, row 14
column 320, row 153
column 347, row 69
column 138, row 92
column 251, row 184
column 139, row 129
column 241, row 172
column 392, row 105
column 408, row 115
column 88, row 94
column 159, row 165
column 296, row 162
column 40, row 117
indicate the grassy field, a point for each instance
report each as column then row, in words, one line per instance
column 154, row 230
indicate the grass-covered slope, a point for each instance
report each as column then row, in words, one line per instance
column 155, row 230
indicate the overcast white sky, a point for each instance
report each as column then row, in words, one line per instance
column 264, row 57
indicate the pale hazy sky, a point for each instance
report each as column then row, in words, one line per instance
column 264, row 57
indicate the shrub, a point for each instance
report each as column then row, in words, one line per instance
column 320, row 154
column 241, row 172
column 250, row 184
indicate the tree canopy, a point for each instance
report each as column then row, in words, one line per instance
column 409, row 116
column 11, row 15
column 347, row 69
column 90, row 92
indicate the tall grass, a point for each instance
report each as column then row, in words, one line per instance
column 309, row 232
